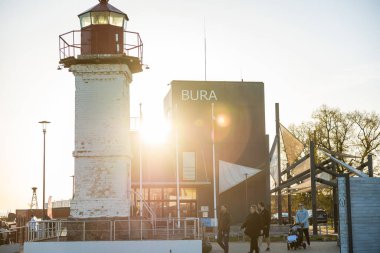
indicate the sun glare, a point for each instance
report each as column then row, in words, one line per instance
column 155, row 130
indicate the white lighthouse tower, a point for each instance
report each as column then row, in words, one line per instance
column 102, row 60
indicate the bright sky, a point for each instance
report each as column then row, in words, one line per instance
column 307, row 53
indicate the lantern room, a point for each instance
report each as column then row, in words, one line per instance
column 102, row 39
column 102, row 29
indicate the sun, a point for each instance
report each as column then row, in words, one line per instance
column 154, row 129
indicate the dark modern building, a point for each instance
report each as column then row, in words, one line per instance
column 229, row 114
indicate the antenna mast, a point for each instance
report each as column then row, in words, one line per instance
column 205, row 44
column 34, row 203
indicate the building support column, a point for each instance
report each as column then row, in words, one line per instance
column 279, row 196
column 313, row 188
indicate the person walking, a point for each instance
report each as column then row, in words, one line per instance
column 253, row 226
column 224, row 229
column 32, row 225
column 265, row 217
column 302, row 217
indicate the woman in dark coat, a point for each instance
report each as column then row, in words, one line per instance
column 253, row 226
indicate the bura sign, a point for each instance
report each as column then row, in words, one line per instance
column 199, row 95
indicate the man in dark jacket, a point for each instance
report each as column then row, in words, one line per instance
column 265, row 216
column 253, row 226
column 224, row 228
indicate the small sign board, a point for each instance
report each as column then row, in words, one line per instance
column 209, row 222
column 214, row 222
column 206, row 222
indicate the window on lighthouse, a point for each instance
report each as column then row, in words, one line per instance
column 116, row 19
column 100, row 18
column 85, row 20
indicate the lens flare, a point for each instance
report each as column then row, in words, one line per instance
column 223, row 120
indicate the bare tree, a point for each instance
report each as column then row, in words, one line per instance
column 367, row 131
column 333, row 129
column 356, row 133
column 304, row 133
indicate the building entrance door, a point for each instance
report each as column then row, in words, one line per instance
column 188, row 209
column 163, row 201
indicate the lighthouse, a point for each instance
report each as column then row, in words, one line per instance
column 102, row 56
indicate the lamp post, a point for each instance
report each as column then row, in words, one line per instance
column 44, row 125
column 246, row 191
column 213, row 161
column 141, row 173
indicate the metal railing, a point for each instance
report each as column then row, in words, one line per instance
column 70, row 44
column 13, row 235
column 114, row 230
column 147, row 207
column 43, row 230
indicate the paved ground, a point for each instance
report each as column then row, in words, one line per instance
column 279, row 247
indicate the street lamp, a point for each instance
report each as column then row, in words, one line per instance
column 44, row 125
column 246, row 191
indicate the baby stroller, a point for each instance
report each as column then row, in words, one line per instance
column 295, row 238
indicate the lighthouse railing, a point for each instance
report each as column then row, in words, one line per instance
column 133, row 48
column 70, row 44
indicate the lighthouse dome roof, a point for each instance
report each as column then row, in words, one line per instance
column 102, row 6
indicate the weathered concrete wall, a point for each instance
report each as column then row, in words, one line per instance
column 102, row 145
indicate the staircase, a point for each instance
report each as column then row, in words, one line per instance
column 146, row 209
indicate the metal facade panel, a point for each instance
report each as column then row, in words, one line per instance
column 343, row 227
column 365, row 214
column 365, row 211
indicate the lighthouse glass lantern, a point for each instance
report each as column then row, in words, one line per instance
column 102, row 29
